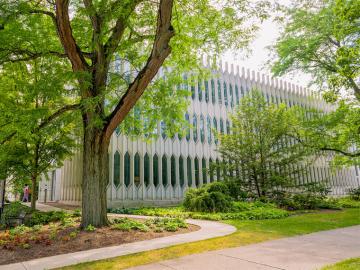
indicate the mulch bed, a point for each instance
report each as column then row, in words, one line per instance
column 41, row 245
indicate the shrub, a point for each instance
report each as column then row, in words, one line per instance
column 348, row 202
column 12, row 211
column 355, row 194
column 42, row 218
column 208, row 199
column 125, row 224
column 90, row 228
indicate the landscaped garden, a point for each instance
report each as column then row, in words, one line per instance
column 351, row 264
column 51, row 233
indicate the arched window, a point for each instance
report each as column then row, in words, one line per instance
column 221, row 126
column 185, row 83
column 211, row 169
column 208, row 123
column 202, row 129
column 219, row 92
column 204, row 172
column 197, row 172
column 116, row 168
column 127, row 169
column 199, row 90
column 117, row 131
column 215, row 129
column 207, row 91
column 156, row 170
column 242, row 91
column 146, row 169
column 137, row 169
column 195, row 133
column 225, row 95
column 173, row 171
column 187, row 118
column 231, row 96
column 189, row 172
column 164, row 171
column 213, row 91
column 162, row 129
column 218, row 174
column 192, row 88
column 181, row 171
column 237, row 94
column 227, row 127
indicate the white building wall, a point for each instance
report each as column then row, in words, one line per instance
column 137, row 191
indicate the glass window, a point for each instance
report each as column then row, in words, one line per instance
column 200, row 90
column 181, row 171
column 195, row 133
column 117, row 131
column 231, row 96
column 187, row 118
column 211, row 169
column 227, row 127
column 215, row 128
column 225, row 95
column 173, row 171
column 237, row 94
column 162, row 129
column 208, row 122
column 189, row 172
column 146, row 169
column 218, row 174
column 221, row 126
column 213, row 91
column 242, row 91
column 192, row 87
column 207, row 92
column 202, row 129
column 197, row 172
column 219, row 92
column 164, row 171
column 185, row 83
column 204, row 172
column 127, row 169
column 156, row 170
column 137, row 169
column 116, row 168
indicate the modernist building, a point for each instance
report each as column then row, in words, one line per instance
column 159, row 172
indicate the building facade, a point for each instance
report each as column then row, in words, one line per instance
column 159, row 172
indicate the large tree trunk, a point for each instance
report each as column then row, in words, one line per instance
column 95, row 179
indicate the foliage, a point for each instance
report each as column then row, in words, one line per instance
column 13, row 210
column 354, row 194
column 42, row 218
column 208, row 198
column 90, row 228
column 261, row 152
column 347, row 202
column 238, row 210
column 322, row 38
column 157, row 224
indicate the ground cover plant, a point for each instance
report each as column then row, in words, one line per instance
column 248, row 232
column 52, row 233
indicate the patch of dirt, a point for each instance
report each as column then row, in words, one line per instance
column 41, row 244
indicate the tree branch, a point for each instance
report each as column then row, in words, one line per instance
column 119, row 28
column 66, row 37
column 348, row 154
column 160, row 51
column 56, row 114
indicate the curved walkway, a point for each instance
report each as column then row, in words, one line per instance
column 307, row 252
column 209, row 229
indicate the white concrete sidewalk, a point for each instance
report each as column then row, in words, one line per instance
column 209, row 229
column 307, row 252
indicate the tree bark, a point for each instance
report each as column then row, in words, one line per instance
column 33, row 191
column 95, row 179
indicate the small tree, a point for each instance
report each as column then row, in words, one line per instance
column 260, row 152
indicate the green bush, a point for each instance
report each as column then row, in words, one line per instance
column 354, row 194
column 208, row 199
column 42, row 218
column 126, row 224
column 348, row 202
column 12, row 211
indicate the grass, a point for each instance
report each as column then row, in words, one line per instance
column 351, row 264
column 249, row 232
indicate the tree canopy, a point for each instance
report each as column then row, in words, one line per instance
column 322, row 38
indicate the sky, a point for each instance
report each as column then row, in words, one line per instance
column 266, row 36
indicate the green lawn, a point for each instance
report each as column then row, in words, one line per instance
column 248, row 232
column 351, row 264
